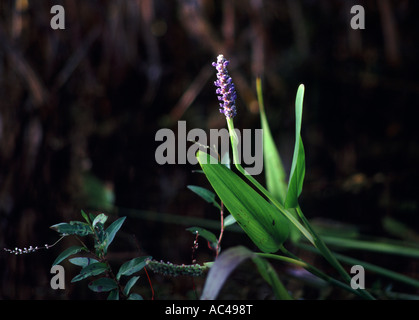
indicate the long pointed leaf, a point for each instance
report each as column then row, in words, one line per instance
column 68, row 252
column 261, row 221
column 132, row 266
column 112, row 230
column 205, row 194
column 295, row 183
column 274, row 169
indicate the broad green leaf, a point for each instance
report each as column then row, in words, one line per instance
column 205, row 194
column 207, row 235
column 295, row 183
column 132, row 266
column 100, row 218
column 103, row 285
column 113, row 229
column 274, row 169
column 113, row 295
column 74, row 227
column 82, row 261
column 93, row 269
column 68, row 252
column 135, row 296
column 228, row 261
column 261, row 221
column 130, row 284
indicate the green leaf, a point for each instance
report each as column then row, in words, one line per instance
column 101, row 243
column 261, row 221
column 295, row 183
column 68, row 252
column 207, row 235
column 113, row 295
column 229, row 220
column 85, row 216
column 274, row 169
column 130, row 284
column 73, row 228
column 205, row 194
column 82, row 261
column 103, row 285
column 100, row 218
column 112, row 230
column 135, row 296
column 228, row 261
column 93, row 269
column 132, row 266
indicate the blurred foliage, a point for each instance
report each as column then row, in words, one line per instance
column 87, row 101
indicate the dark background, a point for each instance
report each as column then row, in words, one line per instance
column 80, row 107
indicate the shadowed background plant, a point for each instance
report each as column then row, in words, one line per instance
column 80, row 107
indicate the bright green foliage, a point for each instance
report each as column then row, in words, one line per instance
column 295, row 184
column 274, row 169
column 262, row 222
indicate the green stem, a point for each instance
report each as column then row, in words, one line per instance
column 319, row 244
column 369, row 266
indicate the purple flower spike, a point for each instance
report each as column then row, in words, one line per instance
column 226, row 90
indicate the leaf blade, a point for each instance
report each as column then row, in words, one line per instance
column 74, row 227
column 131, row 282
column 93, row 269
column 100, row 218
column 66, row 253
column 205, row 194
column 274, row 169
column 132, row 266
column 112, row 230
column 295, row 183
column 102, row 285
column 262, row 222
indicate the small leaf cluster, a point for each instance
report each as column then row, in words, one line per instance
column 96, row 265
